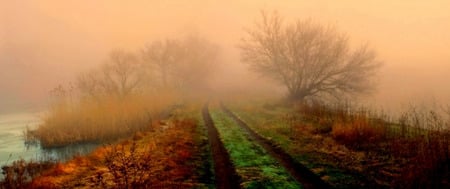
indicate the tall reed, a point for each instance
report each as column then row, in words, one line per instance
column 92, row 120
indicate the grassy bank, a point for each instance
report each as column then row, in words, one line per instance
column 256, row 168
column 350, row 148
column 174, row 154
column 302, row 147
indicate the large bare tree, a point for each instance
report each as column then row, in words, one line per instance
column 310, row 60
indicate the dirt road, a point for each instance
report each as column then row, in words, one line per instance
column 225, row 173
column 302, row 174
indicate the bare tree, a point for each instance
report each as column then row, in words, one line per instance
column 162, row 58
column 182, row 64
column 197, row 66
column 89, row 84
column 309, row 59
column 119, row 76
column 121, row 73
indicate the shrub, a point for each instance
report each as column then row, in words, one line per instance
column 324, row 125
column 20, row 173
column 128, row 165
column 358, row 133
column 160, row 161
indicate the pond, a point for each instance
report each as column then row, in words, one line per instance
column 13, row 147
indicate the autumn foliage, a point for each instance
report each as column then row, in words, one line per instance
column 164, row 158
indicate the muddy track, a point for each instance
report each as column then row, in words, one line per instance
column 302, row 174
column 225, row 174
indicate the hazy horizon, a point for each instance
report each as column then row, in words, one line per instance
column 46, row 43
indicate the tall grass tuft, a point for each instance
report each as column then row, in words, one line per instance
column 358, row 133
column 423, row 136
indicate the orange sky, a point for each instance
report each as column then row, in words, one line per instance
column 45, row 42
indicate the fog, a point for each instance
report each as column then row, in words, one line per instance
column 45, row 43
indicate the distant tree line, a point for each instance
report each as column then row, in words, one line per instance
column 175, row 64
column 311, row 61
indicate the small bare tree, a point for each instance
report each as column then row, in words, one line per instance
column 119, row 76
column 309, row 59
column 162, row 57
column 182, row 64
column 89, row 84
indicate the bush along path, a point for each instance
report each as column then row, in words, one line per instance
column 253, row 164
column 225, row 174
column 301, row 174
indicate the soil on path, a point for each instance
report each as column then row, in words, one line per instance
column 302, row 174
column 225, row 174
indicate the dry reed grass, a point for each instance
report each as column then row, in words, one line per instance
column 98, row 120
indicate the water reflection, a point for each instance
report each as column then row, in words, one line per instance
column 67, row 152
column 13, row 146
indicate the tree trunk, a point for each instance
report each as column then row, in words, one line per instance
column 296, row 98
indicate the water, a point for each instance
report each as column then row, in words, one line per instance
column 12, row 146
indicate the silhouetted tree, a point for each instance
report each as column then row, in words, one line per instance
column 119, row 76
column 310, row 60
column 182, row 64
column 162, row 58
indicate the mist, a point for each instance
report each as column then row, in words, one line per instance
column 46, row 43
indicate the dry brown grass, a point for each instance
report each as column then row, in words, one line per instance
column 420, row 139
column 358, row 133
column 167, row 157
column 21, row 172
column 99, row 120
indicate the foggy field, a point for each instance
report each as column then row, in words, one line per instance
column 233, row 94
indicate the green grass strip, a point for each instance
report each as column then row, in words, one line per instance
column 256, row 168
column 270, row 125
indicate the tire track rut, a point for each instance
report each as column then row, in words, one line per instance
column 225, row 174
column 303, row 175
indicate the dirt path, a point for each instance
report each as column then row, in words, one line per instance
column 302, row 174
column 225, row 174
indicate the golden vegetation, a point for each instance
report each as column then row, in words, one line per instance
column 126, row 93
column 420, row 140
column 100, row 120
column 170, row 156
column 358, row 133
column 21, row 172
